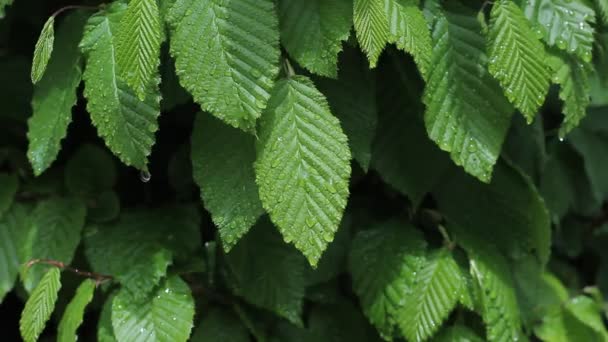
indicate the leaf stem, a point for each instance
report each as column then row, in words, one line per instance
column 70, row 7
column 288, row 68
column 99, row 278
column 446, row 237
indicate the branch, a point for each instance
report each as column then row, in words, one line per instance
column 98, row 277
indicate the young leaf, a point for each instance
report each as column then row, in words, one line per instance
column 74, row 312
column 269, row 273
column 238, row 58
column 466, row 112
column 57, row 223
column 435, row 292
column 40, row 306
column 165, row 316
column 566, row 24
column 517, row 58
column 125, row 123
column 8, row 188
column 14, row 231
column 312, row 32
column 303, row 166
column 603, row 7
column 55, row 95
column 383, row 264
column 220, row 325
column 43, row 50
column 573, row 78
column 222, row 162
column 352, row 98
column 138, row 46
column 378, row 22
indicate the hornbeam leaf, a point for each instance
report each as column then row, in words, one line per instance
column 231, row 71
column 303, row 166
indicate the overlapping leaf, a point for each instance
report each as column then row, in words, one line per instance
column 165, row 316
column 8, row 188
column 568, row 25
column 393, row 21
column 491, row 272
column 269, row 273
column 125, row 123
column 222, row 161
column 352, row 99
column 138, row 46
column 467, row 114
column 14, row 231
column 230, row 72
column 509, row 211
column 313, row 31
column 436, row 290
column 303, row 166
column 383, row 264
column 55, row 95
column 56, row 223
column 40, row 306
column 220, row 325
column 517, row 58
column 74, row 312
column 573, row 78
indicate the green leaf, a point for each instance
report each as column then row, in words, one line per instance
column 90, row 171
column 167, row 315
column 40, row 306
column 573, row 78
column 517, row 58
column 371, row 28
column 138, row 248
column 590, row 144
column 303, row 166
column 43, row 50
column 352, row 99
column 222, row 162
column 220, row 325
column 508, row 212
column 8, row 189
column 500, row 311
column 125, row 123
column 57, row 224
column 383, row 264
column 138, row 46
column 312, row 32
column 269, row 273
column 338, row 322
column 55, row 96
column 457, row 333
column 239, row 57
column 403, row 155
column 589, row 313
column 603, row 7
column 467, row 114
column 14, row 233
column 566, row 24
column 435, row 292
column 74, row 312
column 393, row 21
column 578, row 319
column 3, row 4
column 105, row 332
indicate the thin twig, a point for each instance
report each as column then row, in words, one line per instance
column 69, row 7
column 98, row 277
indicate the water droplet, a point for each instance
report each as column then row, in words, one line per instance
column 561, row 139
column 145, row 176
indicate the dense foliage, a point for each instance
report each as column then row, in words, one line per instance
column 304, row 170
